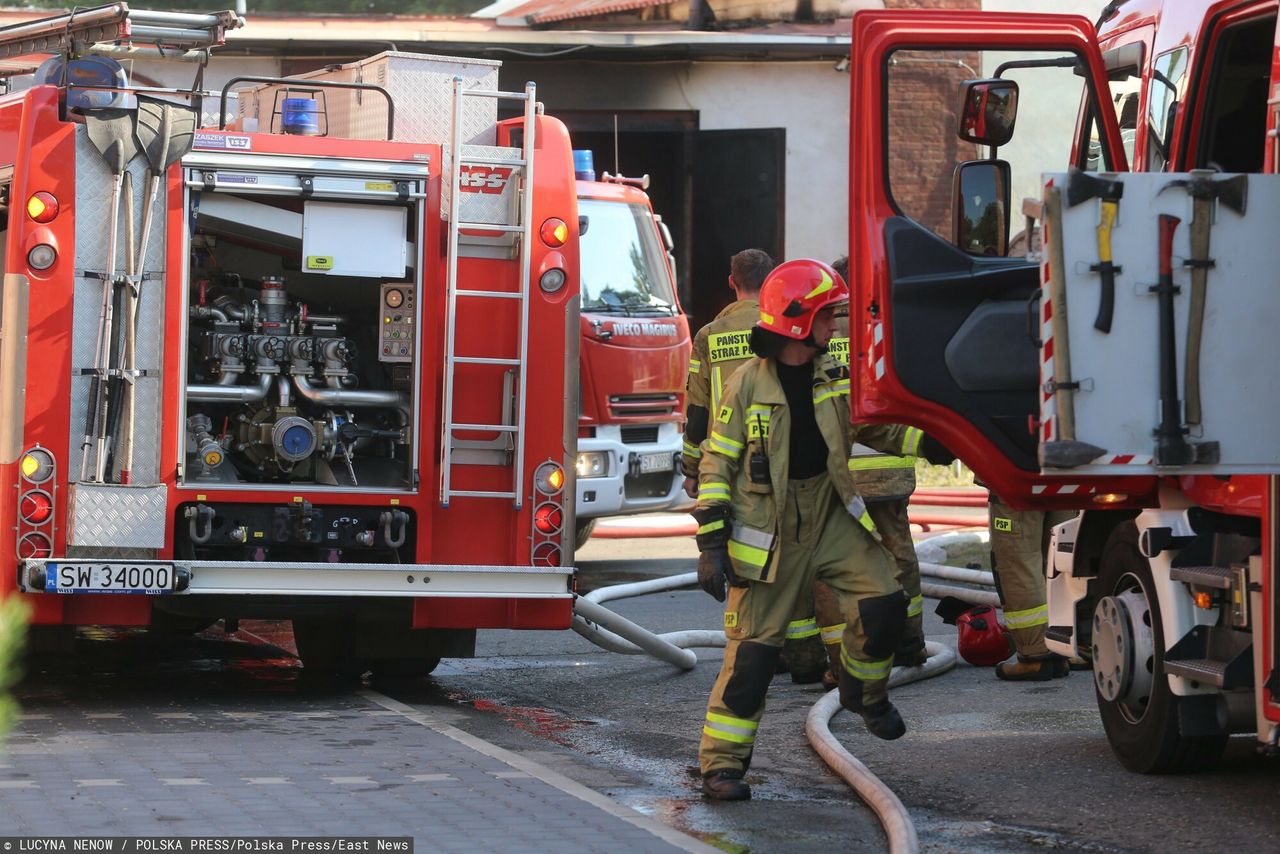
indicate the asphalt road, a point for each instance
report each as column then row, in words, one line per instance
column 985, row 765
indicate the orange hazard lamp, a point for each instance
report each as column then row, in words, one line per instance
column 42, row 206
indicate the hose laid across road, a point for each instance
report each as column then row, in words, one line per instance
column 606, row 629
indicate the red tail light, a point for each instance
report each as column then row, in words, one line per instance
column 37, row 507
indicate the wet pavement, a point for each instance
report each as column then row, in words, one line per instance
column 985, row 766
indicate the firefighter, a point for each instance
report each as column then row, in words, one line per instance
column 1019, row 543
column 886, row 482
column 777, row 509
column 718, row 349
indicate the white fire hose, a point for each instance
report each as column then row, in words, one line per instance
column 618, row 634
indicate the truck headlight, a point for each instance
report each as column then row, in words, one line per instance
column 592, row 464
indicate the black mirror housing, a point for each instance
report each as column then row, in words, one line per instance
column 988, row 111
column 981, row 197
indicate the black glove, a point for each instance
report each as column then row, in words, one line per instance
column 935, row 452
column 715, row 572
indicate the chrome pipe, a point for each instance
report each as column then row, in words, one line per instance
column 231, row 393
column 322, row 396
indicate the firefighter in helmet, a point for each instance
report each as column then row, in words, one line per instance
column 777, row 509
column 1019, row 543
column 885, row 481
column 719, row 349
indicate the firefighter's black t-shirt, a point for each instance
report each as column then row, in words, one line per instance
column 807, row 448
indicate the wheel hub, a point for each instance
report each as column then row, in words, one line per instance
column 1124, row 650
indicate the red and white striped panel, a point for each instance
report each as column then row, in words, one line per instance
column 1124, row 460
column 1062, row 489
column 877, row 348
column 1048, row 401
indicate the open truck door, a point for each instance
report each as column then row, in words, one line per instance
column 954, row 117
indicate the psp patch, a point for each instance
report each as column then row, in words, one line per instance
column 1004, row 526
column 726, row 414
column 730, row 619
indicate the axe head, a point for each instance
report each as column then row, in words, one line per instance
column 1082, row 186
column 1231, row 192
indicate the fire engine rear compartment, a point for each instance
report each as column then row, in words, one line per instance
column 302, row 331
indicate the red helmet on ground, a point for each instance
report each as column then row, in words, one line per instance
column 984, row 641
column 794, row 292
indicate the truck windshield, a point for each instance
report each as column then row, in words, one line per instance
column 623, row 266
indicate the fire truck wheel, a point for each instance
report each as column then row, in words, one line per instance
column 403, row 669
column 1139, row 711
column 326, row 646
column 582, row 532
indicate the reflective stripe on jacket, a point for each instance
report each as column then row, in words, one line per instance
column 878, row 476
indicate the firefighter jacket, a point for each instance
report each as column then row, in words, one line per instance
column 876, row 476
column 753, row 418
column 719, row 349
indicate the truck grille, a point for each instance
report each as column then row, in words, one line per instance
column 645, row 434
column 643, row 405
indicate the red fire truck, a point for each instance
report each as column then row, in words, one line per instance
column 286, row 372
column 635, row 354
column 1149, row 404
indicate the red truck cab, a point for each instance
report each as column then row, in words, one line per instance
column 634, row 356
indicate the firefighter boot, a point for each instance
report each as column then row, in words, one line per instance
column 883, row 721
column 1037, row 668
column 725, row 784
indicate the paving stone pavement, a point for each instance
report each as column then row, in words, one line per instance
column 356, row 764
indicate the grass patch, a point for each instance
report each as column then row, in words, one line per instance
column 956, row 474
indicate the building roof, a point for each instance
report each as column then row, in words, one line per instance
column 344, row 35
column 549, row 11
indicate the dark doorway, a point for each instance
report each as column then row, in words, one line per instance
column 658, row 144
column 737, row 204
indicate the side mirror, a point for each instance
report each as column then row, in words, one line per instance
column 988, row 111
column 667, row 242
column 584, row 222
column 980, row 207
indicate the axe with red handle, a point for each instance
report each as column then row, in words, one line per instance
column 1172, row 448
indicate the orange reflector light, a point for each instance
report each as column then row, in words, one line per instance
column 549, row 478
column 554, row 232
column 548, row 518
column 1110, row 498
column 36, row 465
column 37, row 507
column 42, row 207
column 1204, row 600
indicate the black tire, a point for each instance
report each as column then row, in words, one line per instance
column 403, row 669
column 1145, row 736
column 326, row 646
column 582, row 532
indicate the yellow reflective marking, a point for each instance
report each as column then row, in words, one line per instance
column 319, row 262
column 728, row 346
column 1005, row 526
column 748, row 554
column 885, row 461
column 730, row 619
column 384, row 186
column 825, row 285
column 726, row 414
column 839, row 349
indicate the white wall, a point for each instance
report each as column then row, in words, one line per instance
column 809, row 99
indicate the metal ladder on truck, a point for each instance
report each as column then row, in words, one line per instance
column 511, row 438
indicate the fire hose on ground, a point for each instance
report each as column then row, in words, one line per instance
column 617, row 634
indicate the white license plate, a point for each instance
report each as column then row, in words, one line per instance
column 656, row 462
column 87, row 577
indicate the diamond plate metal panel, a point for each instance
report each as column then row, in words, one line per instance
column 93, row 217
column 495, row 208
column 111, row 515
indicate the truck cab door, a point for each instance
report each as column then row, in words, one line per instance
column 945, row 314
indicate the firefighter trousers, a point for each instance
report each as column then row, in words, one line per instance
column 890, row 518
column 819, row 540
column 1019, row 544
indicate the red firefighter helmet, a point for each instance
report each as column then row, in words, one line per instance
column 984, row 641
column 794, row 292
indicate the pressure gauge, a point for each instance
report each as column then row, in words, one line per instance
column 395, row 298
